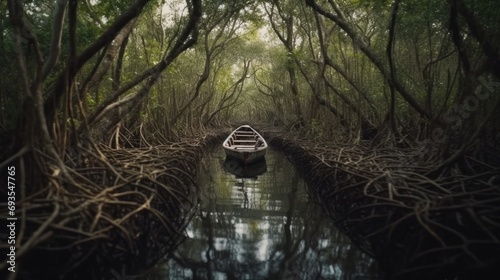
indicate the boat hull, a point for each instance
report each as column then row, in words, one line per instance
column 245, row 145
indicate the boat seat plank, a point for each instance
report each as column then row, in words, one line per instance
column 240, row 145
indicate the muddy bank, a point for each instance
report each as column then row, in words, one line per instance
column 415, row 226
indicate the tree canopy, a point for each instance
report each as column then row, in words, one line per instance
column 400, row 70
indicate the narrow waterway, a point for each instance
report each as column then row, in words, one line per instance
column 261, row 226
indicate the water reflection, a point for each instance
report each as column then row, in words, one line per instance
column 262, row 226
column 245, row 171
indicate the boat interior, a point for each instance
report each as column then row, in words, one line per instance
column 242, row 139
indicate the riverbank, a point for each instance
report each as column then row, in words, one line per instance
column 119, row 207
column 416, row 226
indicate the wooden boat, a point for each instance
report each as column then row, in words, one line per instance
column 245, row 145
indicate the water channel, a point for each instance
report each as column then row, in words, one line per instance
column 261, row 226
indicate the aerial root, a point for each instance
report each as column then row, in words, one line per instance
column 118, row 204
column 410, row 222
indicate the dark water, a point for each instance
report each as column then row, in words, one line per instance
column 262, row 227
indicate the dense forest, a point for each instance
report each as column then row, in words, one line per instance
column 77, row 77
column 404, row 70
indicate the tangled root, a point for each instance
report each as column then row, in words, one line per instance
column 416, row 226
column 109, row 208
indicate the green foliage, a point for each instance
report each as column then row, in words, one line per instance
column 107, row 11
column 235, row 29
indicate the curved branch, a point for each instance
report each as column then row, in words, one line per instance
column 188, row 38
column 55, row 45
column 477, row 32
column 390, row 57
column 68, row 74
column 363, row 46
